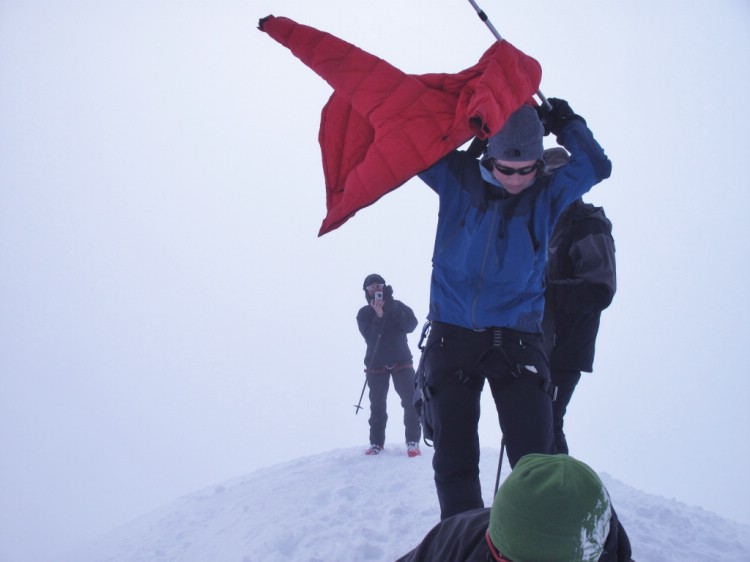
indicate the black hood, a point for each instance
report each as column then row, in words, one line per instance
column 372, row 278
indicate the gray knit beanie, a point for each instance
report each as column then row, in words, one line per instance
column 520, row 139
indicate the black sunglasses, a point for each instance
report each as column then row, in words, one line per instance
column 525, row 171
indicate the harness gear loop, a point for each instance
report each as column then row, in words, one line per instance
column 390, row 369
column 423, row 336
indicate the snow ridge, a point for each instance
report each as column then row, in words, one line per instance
column 344, row 505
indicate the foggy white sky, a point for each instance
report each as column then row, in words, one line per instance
column 169, row 318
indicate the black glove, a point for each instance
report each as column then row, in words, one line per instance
column 261, row 21
column 556, row 119
column 477, row 147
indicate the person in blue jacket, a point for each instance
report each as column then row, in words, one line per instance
column 495, row 218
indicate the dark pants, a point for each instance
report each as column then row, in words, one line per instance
column 566, row 382
column 403, row 382
column 457, row 362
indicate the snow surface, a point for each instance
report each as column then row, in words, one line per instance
column 342, row 505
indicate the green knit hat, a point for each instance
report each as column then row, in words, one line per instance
column 551, row 508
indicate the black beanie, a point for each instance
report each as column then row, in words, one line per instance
column 373, row 278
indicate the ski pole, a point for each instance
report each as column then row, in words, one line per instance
column 499, row 464
column 488, row 23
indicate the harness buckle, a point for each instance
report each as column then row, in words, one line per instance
column 545, row 384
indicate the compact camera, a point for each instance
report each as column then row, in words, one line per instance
column 378, row 295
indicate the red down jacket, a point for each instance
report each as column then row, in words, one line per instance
column 382, row 126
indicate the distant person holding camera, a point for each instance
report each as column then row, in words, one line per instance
column 384, row 323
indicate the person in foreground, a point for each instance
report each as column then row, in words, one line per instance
column 495, row 219
column 551, row 508
column 384, row 323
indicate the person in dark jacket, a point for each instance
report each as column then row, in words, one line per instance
column 551, row 508
column 581, row 282
column 487, row 292
column 384, row 323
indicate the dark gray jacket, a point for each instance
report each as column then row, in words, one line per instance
column 386, row 336
column 581, row 282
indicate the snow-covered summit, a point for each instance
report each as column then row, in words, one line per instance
column 342, row 505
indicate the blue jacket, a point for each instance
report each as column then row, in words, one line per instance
column 490, row 247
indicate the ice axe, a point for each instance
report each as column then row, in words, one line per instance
column 488, row 23
column 357, row 406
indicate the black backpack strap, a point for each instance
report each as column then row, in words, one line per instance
column 545, row 384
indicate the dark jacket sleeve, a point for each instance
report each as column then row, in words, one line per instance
column 368, row 323
column 578, row 139
column 459, row 538
column 400, row 315
column 386, row 337
column 594, row 283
